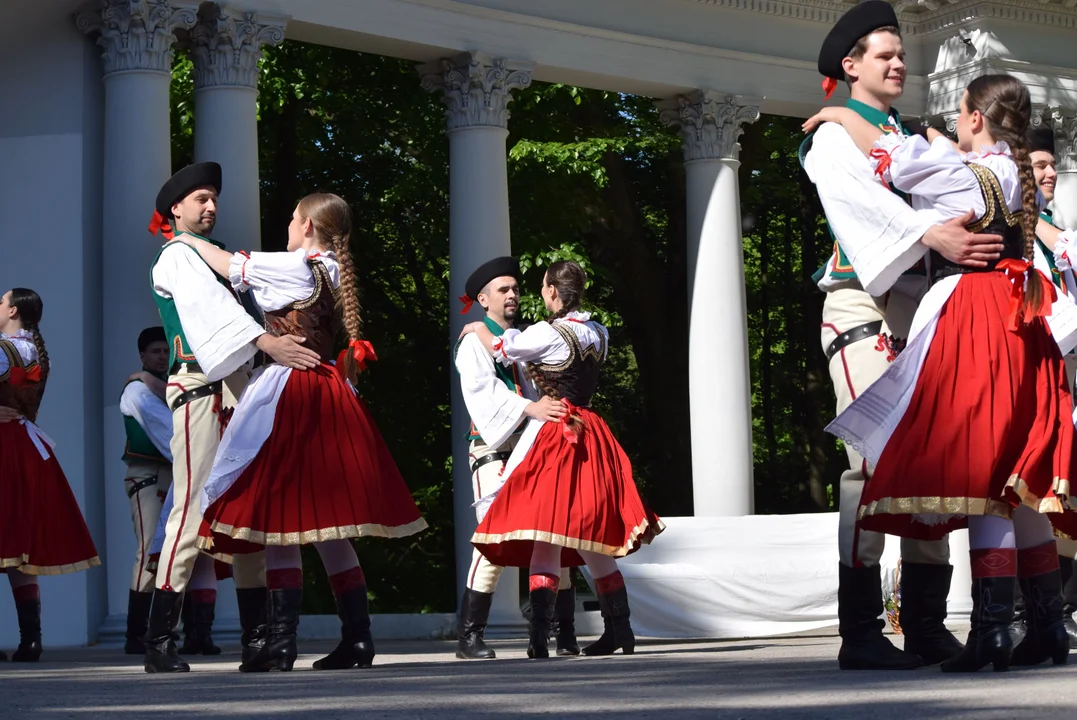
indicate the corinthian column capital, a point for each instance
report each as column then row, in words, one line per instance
column 476, row 88
column 136, row 35
column 709, row 122
column 226, row 46
column 1063, row 121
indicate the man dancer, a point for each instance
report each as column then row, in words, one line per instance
column 211, row 340
column 497, row 400
column 872, row 291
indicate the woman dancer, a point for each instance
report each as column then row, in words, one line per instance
column 981, row 432
column 41, row 527
column 301, row 461
column 569, row 498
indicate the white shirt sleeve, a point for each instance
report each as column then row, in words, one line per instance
column 935, row 174
column 278, row 279
column 151, row 412
column 539, row 343
column 878, row 231
column 495, row 410
column 220, row 332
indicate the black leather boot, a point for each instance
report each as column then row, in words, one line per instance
column 1069, row 598
column 1047, row 636
column 252, row 620
column 924, row 589
column 356, row 645
column 138, row 614
column 860, row 603
column 1019, row 626
column 161, row 655
column 3, row 656
column 279, row 651
column 29, row 649
column 565, row 619
column 989, row 640
column 542, row 602
column 198, row 628
column 471, row 626
column 617, row 628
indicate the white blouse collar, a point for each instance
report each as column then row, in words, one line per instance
column 20, row 334
column 577, row 315
column 999, row 148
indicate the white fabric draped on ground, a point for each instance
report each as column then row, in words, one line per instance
column 754, row 576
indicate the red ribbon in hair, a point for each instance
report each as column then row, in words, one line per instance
column 468, row 302
column 159, row 224
column 1018, row 271
column 361, row 351
column 572, row 434
column 829, row 85
column 22, row 376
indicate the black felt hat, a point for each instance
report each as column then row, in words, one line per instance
column 182, row 183
column 498, row 267
column 150, row 335
column 1041, row 139
column 862, row 20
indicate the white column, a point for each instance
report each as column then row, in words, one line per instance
column 136, row 37
column 476, row 90
column 226, row 46
column 1064, row 124
column 718, row 374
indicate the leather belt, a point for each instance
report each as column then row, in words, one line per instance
column 860, row 332
column 199, row 392
column 487, row 459
column 140, row 485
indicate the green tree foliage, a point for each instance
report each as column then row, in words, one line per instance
column 593, row 177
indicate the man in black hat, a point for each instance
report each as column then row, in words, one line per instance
column 874, row 281
column 211, row 342
column 498, row 398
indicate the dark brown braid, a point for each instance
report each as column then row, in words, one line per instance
column 30, row 308
column 1006, row 106
column 332, row 220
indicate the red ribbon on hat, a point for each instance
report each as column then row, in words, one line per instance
column 160, row 224
column 1018, row 271
column 361, row 351
column 829, row 85
column 468, row 301
column 21, row 376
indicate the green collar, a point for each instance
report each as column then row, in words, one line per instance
column 874, row 115
column 493, row 327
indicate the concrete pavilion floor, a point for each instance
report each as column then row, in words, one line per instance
column 789, row 678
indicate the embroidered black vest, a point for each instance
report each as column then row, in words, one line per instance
column 575, row 379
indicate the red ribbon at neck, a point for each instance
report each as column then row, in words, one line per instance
column 572, row 434
column 1020, row 271
column 361, row 351
column 468, row 302
column 159, row 224
column 829, row 85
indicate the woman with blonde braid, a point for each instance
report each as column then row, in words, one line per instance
column 41, row 528
column 971, row 426
column 569, row 498
column 302, row 461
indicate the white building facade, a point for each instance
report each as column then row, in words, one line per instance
column 85, row 145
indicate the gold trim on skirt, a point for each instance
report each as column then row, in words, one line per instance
column 641, row 535
column 307, row 537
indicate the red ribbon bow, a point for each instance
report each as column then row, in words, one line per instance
column 22, row 376
column 884, row 163
column 1018, row 271
column 572, row 434
column 829, row 85
column 361, row 351
column 158, row 223
column 468, row 302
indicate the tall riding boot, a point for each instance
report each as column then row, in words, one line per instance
column 989, row 640
column 1041, row 585
column 279, row 651
column 138, row 614
column 860, row 603
column 198, row 625
column 471, row 626
column 29, row 612
column 565, row 617
column 924, row 589
column 1019, row 626
column 542, row 602
column 161, row 655
column 356, row 645
column 1069, row 597
column 617, row 628
column 252, row 620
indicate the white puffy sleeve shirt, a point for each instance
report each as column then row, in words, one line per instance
column 24, row 344
column 151, row 412
column 540, row 343
column 277, row 279
column 220, row 332
column 878, row 231
column 495, row 410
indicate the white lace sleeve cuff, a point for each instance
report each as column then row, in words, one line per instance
column 881, row 154
column 1064, row 250
column 237, row 272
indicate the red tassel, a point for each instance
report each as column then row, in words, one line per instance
column 829, row 85
column 468, row 302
